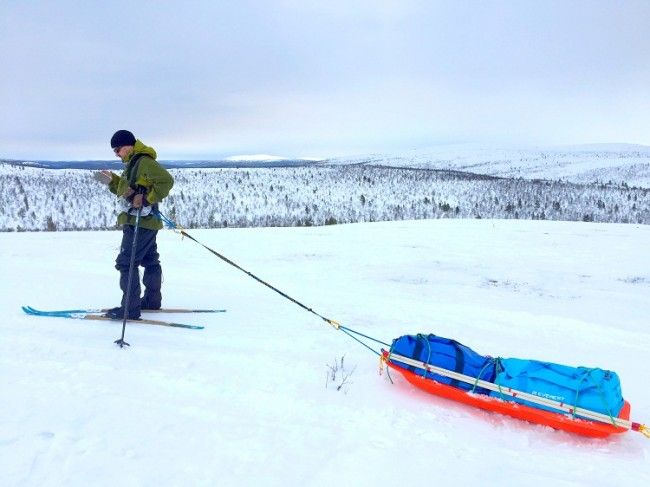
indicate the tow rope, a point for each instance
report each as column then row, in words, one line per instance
column 334, row 323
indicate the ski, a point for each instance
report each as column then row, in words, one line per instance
column 34, row 311
column 97, row 317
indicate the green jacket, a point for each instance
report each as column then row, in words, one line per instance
column 151, row 175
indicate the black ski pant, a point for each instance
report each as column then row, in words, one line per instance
column 146, row 255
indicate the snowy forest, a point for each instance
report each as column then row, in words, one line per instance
column 35, row 199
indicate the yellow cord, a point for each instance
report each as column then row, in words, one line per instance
column 334, row 323
column 382, row 361
column 644, row 430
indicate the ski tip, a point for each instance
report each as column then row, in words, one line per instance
column 31, row 311
column 189, row 327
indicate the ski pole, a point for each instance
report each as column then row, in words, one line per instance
column 121, row 341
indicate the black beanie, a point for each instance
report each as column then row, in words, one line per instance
column 122, row 137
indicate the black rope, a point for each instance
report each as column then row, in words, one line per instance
column 335, row 324
column 226, row 259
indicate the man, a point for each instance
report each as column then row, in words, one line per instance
column 143, row 184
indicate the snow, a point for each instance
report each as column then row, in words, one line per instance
column 245, row 400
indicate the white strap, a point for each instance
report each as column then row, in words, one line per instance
column 146, row 210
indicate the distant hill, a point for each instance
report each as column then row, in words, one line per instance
column 66, row 199
column 172, row 164
column 585, row 164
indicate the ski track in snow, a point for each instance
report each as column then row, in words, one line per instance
column 244, row 401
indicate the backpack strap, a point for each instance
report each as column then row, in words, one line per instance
column 132, row 176
column 132, row 170
column 460, row 361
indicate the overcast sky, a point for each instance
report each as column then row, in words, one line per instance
column 211, row 79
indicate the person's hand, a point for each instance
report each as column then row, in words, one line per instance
column 103, row 177
column 128, row 193
column 138, row 200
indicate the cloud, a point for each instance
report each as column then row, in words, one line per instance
column 214, row 78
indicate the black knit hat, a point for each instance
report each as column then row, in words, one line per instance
column 122, row 137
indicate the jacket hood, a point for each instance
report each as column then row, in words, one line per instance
column 140, row 148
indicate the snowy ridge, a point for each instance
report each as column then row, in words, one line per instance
column 42, row 199
column 267, row 158
column 585, row 164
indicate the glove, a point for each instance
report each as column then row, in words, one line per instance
column 128, row 194
column 103, row 177
column 139, row 200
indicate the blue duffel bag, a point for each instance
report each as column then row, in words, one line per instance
column 445, row 353
column 593, row 389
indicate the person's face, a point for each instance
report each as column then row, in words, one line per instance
column 120, row 151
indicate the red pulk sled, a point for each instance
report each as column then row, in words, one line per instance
column 448, row 369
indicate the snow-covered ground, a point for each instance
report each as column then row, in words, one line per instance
column 245, row 401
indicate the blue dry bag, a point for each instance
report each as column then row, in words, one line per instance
column 593, row 389
column 445, row 353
